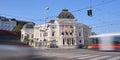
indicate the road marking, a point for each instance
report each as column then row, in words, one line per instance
column 115, row 58
column 61, row 55
column 78, row 56
column 98, row 58
column 53, row 54
column 57, row 55
column 82, row 56
column 87, row 57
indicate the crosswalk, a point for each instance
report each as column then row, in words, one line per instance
column 101, row 57
column 83, row 56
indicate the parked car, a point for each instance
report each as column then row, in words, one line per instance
column 80, row 46
column 53, row 46
column 15, row 50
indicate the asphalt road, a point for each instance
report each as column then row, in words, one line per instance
column 75, row 54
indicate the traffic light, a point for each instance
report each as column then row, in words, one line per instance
column 89, row 12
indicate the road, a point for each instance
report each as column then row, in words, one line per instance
column 75, row 54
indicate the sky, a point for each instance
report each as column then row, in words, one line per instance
column 105, row 17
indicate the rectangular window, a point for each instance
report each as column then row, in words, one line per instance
column 116, row 40
column 71, row 26
column 28, row 35
column 63, row 42
column 32, row 36
column 45, row 34
column 95, row 40
column 53, row 33
column 79, row 33
column 22, row 36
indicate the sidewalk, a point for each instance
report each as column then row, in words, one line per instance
column 66, row 47
column 61, row 47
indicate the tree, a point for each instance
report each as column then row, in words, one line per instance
column 26, row 40
column 18, row 27
column 17, row 30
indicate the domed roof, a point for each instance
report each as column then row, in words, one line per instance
column 65, row 14
column 28, row 25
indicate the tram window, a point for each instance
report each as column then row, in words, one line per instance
column 95, row 41
column 116, row 40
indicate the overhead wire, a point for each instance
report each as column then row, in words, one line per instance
column 106, row 25
column 95, row 5
column 71, row 11
column 104, row 3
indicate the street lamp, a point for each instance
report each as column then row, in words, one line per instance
column 46, row 8
column 45, row 28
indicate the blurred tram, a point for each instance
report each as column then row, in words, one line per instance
column 105, row 42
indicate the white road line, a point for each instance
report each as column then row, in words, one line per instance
column 98, row 58
column 114, row 58
column 57, row 55
column 87, row 57
column 50, row 54
column 78, row 56
column 61, row 55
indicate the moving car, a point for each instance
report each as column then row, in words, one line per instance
column 13, row 49
column 80, row 46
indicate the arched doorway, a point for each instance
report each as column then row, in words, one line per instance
column 68, row 41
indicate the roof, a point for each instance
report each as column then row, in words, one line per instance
column 65, row 14
column 28, row 25
column 104, row 35
column 13, row 19
column 51, row 21
column 23, row 22
column 7, row 19
column 3, row 18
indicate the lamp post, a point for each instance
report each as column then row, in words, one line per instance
column 46, row 8
column 45, row 28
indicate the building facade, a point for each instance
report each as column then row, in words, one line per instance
column 27, row 31
column 63, row 31
column 7, row 23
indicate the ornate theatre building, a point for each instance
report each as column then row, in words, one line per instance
column 63, row 31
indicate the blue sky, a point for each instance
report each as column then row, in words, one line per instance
column 105, row 12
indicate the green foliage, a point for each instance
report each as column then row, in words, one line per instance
column 32, row 41
column 17, row 30
column 18, row 27
column 26, row 40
